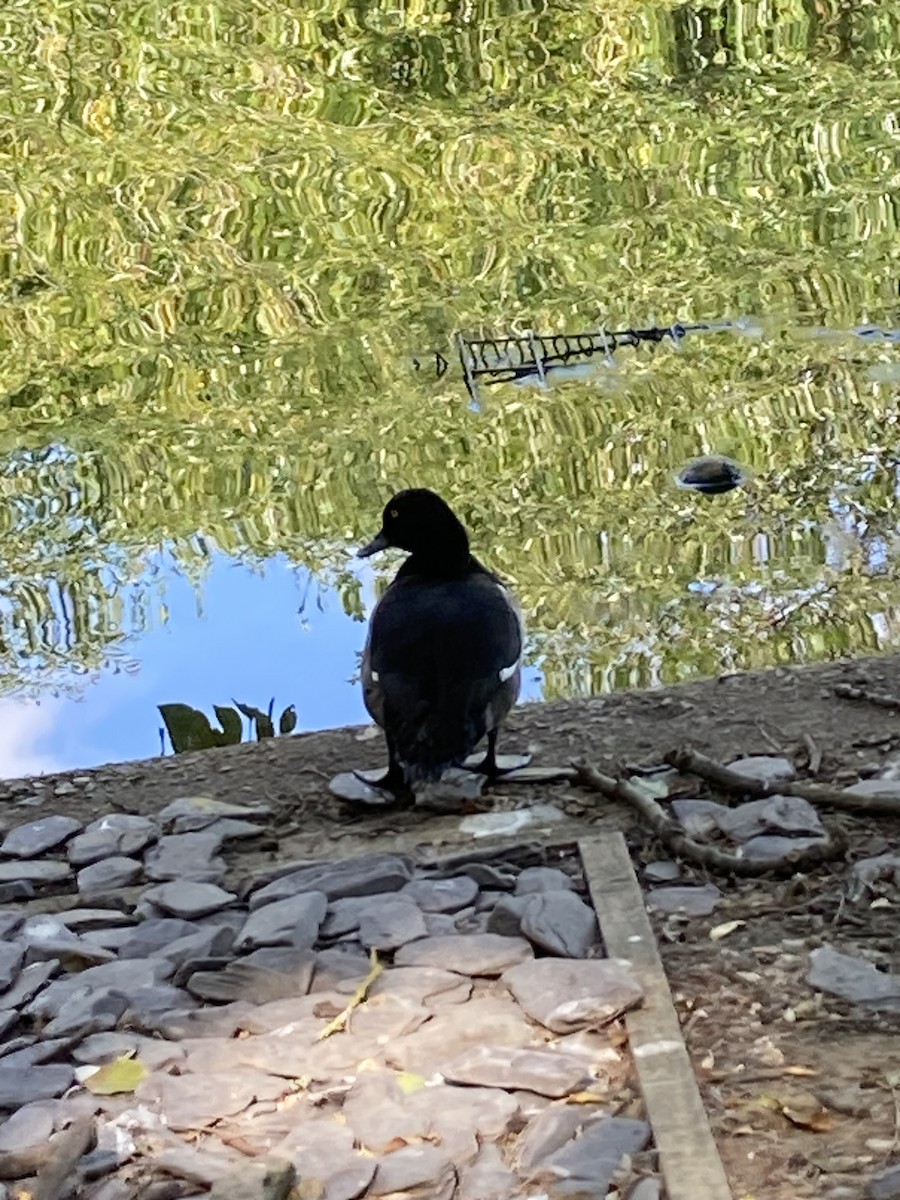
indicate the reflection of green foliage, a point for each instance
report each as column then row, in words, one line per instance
column 190, row 729
column 225, row 228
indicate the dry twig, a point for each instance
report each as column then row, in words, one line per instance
column 339, row 1023
column 677, row 842
column 692, row 762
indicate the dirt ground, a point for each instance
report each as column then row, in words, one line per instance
column 803, row 1091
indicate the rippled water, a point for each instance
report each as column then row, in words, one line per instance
column 228, row 234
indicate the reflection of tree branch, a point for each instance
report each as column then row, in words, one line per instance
column 692, row 762
column 677, row 842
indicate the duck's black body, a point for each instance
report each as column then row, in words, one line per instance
column 441, row 664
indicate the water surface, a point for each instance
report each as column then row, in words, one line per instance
column 227, row 232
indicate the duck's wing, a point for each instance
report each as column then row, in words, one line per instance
column 444, row 659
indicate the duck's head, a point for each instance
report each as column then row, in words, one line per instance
column 419, row 521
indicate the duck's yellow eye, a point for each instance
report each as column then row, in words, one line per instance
column 393, row 514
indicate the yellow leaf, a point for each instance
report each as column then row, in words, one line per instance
column 409, row 1082
column 121, row 1075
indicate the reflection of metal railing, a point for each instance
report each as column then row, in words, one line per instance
column 512, row 359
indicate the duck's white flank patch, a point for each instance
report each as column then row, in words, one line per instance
column 508, row 672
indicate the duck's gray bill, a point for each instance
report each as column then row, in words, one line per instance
column 378, row 543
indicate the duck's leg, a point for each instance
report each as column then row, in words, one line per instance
column 488, row 765
column 394, row 778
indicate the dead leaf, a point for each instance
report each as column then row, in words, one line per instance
column 722, row 931
column 806, row 1111
column 121, row 1075
column 587, row 1098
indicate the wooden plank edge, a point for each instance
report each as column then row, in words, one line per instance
column 689, row 1159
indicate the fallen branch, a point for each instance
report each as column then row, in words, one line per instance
column 846, row 691
column 692, row 762
column 677, row 842
column 339, row 1023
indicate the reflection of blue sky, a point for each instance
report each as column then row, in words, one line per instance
column 245, row 640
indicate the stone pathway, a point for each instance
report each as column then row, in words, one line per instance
column 324, row 1031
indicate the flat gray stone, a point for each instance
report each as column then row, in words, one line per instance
column 506, row 915
column 45, row 871
column 188, row 898
column 542, row 879
column 293, row 921
column 345, row 913
column 391, row 923
column 547, row 1131
column 89, row 920
column 268, row 1178
column 87, row 1011
column 271, row 973
column 547, row 1072
column 100, row 1048
column 194, row 813
column 888, row 788
column 427, row 1168
column 764, row 768
column 442, row 895
column 568, row 994
column 440, row 924
column 771, row 848
column 354, row 877
column 126, row 976
column 155, row 935
column 37, row 837
column 194, row 1102
column 853, row 979
column 689, row 901
column 31, row 980
column 185, row 856
column 18, row 1088
column 115, row 835
column 487, row 1178
column 11, row 956
column 28, row 1126
column 664, row 871
column 478, row 954
column 207, row 941
column 789, row 815
column 699, row 818
column 586, row 1165
column 885, row 1186
column 108, row 874
column 10, row 924
column 559, row 922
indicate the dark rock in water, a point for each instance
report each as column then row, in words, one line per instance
column 712, row 474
